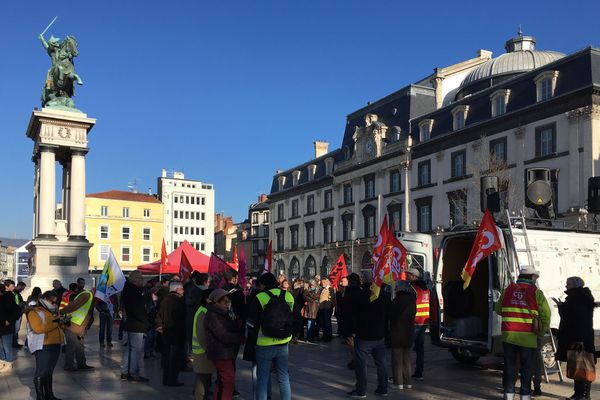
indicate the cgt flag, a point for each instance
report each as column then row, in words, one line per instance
column 338, row 271
column 111, row 280
column 486, row 242
column 389, row 259
column 185, row 268
column 235, row 263
column 216, row 267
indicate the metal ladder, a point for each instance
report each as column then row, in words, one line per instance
column 527, row 250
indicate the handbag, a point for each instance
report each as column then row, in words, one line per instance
column 580, row 364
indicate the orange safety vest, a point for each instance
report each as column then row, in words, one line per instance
column 65, row 299
column 518, row 307
column 422, row 315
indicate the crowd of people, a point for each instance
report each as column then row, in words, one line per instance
column 201, row 325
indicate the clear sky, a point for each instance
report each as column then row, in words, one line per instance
column 230, row 91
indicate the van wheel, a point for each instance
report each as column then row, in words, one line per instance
column 464, row 356
column 548, row 356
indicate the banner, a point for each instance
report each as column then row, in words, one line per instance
column 185, row 268
column 216, row 267
column 164, row 261
column 486, row 242
column 111, row 280
column 389, row 256
column 338, row 271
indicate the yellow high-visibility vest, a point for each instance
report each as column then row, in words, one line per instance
column 196, row 348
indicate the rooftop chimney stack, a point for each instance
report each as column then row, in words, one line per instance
column 321, row 148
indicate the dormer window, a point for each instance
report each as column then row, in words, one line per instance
column 312, row 169
column 281, row 182
column 346, row 153
column 459, row 116
column 329, row 166
column 499, row 100
column 546, row 84
column 295, row 177
column 425, row 129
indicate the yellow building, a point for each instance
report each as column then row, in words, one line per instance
column 131, row 224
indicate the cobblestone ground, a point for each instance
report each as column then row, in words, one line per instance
column 318, row 371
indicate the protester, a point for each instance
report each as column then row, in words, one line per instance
column 9, row 314
column 34, row 297
column 372, row 319
column 152, row 308
column 339, row 294
column 67, row 296
column 22, row 304
column 402, row 329
column 421, row 318
column 203, row 367
column 348, row 305
column 298, row 294
column 273, row 320
column 105, row 325
column 326, row 304
column 44, row 338
column 576, row 326
column 171, row 314
column 135, row 325
column 80, row 310
column 58, row 289
column 223, row 338
column 311, row 311
column 192, row 292
column 521, row 300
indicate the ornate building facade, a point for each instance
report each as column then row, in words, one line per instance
column 418, row 154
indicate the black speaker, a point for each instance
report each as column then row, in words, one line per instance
column 489, row 197
column 594, row 195
column 538, row 187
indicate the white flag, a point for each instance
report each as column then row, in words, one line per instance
column 111, row 280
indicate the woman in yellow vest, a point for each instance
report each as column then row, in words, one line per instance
column 44, row 338
column 203, row 367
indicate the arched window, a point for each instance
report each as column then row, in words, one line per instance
column 280, row 267
column 310, row 268
column 324, row 270
column 294, row 268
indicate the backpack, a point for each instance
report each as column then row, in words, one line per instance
column 276, row 318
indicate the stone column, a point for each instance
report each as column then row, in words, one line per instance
column 66, row 189
column 47, row 194
column 36, row 196
column 77, row 199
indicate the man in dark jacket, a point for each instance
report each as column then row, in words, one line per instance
column 347, row 305
column 373, row 318
column 171, row 314
column 9, row 314
column 193, row 294
column 133, row 306
column 414, row 276
column 402, row 326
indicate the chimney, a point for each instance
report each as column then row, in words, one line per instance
column 163, row 173
column 321, row 148
column 262, row 198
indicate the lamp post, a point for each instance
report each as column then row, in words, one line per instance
column 406, row 167
column 352, row 238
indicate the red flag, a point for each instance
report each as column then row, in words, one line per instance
column 381, row 241
column 390, row 263
column 486, row 242
column 216, row 268
column 164, row 261
column 338, row 271
column 185, row 268
column 235, row 264
column 269, row 258
column 243, row 268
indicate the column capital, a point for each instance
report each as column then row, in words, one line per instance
column 78, row 152
column 43, row 147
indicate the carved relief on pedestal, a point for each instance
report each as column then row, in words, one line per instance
column 68, row 134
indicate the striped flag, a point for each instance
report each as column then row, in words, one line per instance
column 111, row 280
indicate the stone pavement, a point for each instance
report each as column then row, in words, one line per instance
column 318, row 371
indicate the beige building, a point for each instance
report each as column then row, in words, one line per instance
column 131, row 224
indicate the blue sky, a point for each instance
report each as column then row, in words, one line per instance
column 230, row 91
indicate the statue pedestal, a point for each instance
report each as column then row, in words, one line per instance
column 59, row 249
column 62, row 260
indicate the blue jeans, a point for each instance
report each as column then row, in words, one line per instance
column 132, row 353
column 6, row 349
column 377, row 349
column 106, row 322
column 420, row 349
column 310, row 330
column 509, row 375
column 150, row 341
column 265, row 357
column 46, row 359
column 255, row 379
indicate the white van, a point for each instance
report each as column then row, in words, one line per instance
column 464, row 320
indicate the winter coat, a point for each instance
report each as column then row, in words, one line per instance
column 201, row 363
column 312, row 304
column 223, row 334
column 134, row 303
column 172, row 316
column 53, row 334
column 348, row 310
column 9, row 313
column 402, row 319
column 192, row 295
column 238, row 300
column 576, row 321
column 373, row 316
column 326, row 298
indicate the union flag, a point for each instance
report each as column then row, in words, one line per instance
column 486, row 242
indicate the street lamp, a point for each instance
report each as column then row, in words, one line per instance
column 352, row 238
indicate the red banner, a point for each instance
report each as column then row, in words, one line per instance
column 486, row 242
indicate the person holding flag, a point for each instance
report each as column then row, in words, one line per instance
column 133, row 304
column 389, row 259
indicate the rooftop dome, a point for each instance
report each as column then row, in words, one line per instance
column 520, row 56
